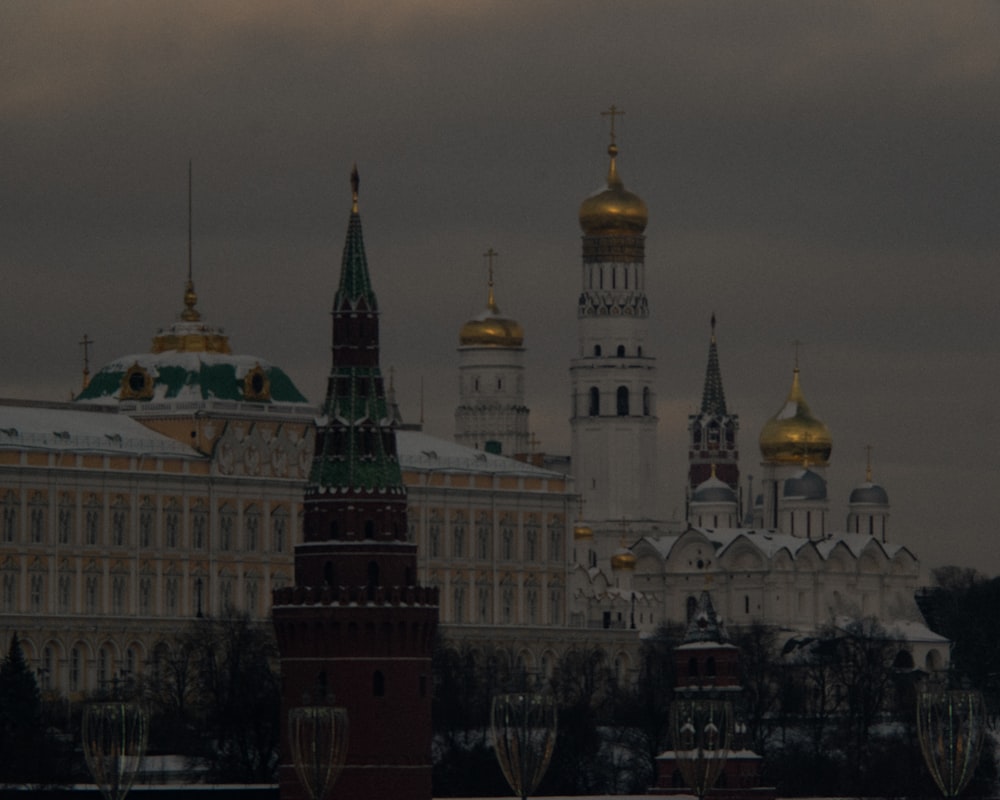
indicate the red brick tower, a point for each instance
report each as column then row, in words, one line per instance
column 356, row 628
column 708, row 665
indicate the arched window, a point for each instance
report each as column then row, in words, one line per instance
column 621, row 351
column 692, row 667
column 595, row 402
column 710, row 667
column 597, row 349
column 622, row 401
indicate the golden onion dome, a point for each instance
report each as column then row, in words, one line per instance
column 491, row 329
column 582, row 531
column 613, row 210
column 623, row 559
column 794, row 435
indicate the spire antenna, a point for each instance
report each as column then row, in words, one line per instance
column 190, row 313
column 355, row 182
column 190, row 216
column 85, row 343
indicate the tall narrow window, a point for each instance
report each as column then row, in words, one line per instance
column 622, row 397
column 595, row 402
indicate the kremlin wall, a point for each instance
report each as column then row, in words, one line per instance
column 186, row 480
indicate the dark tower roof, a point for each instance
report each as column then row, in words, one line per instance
column 705, row 625
column 713, row 398
column 355, row 283
column 355, row 439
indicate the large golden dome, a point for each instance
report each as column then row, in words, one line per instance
column 613, row 210
column 794, row 435
column 490, row 329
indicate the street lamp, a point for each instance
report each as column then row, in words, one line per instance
column 524, row 736
column 950, row 726
column 702, row 731
column 318, row 738
column 114, row 741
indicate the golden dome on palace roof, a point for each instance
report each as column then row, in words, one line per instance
column 614, row 209
column 582, row 531
column 794, row 435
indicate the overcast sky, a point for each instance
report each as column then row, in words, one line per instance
column 823, row 172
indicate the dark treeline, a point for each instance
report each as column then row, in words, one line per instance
column 831, row 714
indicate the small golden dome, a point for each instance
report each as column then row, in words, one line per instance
column 613, row 210
column 490, row 329
column 794, row 435
column 582, row 531
column 623, row 559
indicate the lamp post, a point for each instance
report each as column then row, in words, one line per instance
column 702, row 731
column 318, row 739
column 524, row 736
column 950, row 726
column 114, row 742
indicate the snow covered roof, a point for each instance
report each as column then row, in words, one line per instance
column 44, row 426
column 419, row 451
column 769, row 542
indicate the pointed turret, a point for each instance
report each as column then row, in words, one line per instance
column 355, row 627
column 355, row 442
column 713, row 450
column 713, row 397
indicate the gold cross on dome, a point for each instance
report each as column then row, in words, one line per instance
column 613, row 112
column 489, row 255
column 797, row 345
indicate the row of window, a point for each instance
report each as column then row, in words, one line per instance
column 91, row 524
column 482, row 613
column 169, row 595
column 622, row 402
column 108, row 671
column 614, row 276
column 619, row 351
column 481, row 546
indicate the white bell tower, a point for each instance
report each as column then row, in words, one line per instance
column 614, row 423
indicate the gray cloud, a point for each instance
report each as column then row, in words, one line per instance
column 824, row 172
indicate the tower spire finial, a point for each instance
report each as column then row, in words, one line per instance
column 85, row 343
column 190, row 313
column 491, row 302
column 355, row 182
column 614, row 111
column 797, row 345
column 868, row 465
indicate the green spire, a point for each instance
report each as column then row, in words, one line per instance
column 355, row 283
column 713, row 398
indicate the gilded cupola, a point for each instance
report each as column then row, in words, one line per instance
column 794, row 435
column 613, row 210
column 490, row 328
